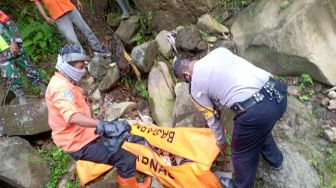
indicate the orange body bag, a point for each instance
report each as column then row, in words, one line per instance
column 197, row 145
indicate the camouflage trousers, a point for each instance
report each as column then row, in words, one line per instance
column 9, row 67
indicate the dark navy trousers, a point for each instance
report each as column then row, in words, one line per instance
column 252, row 136
column 96, row 152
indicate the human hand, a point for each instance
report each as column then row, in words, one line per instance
column 222, row 147
column 80, row 6
column 14, row 48
column 50, row 21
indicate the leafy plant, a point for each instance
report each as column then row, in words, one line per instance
column 145, row 27
column 59, row 162
column 228, row 139
column 284, row 4
column 204, row 35
column 306, row 86
column 327, row 164
column 140, row 88
column 139, row 38
column 39, row 39
column 126, row 81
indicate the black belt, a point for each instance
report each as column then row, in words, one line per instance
column 241, row 107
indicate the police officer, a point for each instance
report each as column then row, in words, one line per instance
column 73, row 128
column 12, row 56
column 223, row 80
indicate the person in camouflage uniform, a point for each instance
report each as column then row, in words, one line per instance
column 12, row 56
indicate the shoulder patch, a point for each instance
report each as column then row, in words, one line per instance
column 68, row 95
column 3, row 17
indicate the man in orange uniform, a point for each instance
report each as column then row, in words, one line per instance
column 79, row 134
column 65, row 15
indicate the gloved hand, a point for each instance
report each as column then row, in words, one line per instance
column 114, row 134
column 112, row 128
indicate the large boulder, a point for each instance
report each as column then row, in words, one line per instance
column 28, row 119
column 289, row 41
column 110, row 80
column 21, row 165
column 189, row 39
column 296, row 171
column 165, row 48
column 161, row 94
column 144, row 54
column 185, row 112
column 116, row 110
column 127, row 28
column 295, row 135
column 169, row 14
column 209, row 24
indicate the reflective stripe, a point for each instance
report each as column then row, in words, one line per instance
column 3, row 44
column 207, row 112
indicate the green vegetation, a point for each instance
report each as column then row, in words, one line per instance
column 204, row 35
column 326, row 163
column 39, row 39
column 145, row 31
column 234, row 4
column 324, row 160
column 141, row 88
column 228, row 139
column 59, row 161
column 139, row 38
column 138, row 87
column 126, row 81
column 306, row 86
column 284, row 4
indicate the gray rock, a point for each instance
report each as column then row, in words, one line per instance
column 161, row 95
column 113, row 19
column 294, row 90
column 289, row 41
column 99, row 66
column 21, row 165
column 28, row 119
column 127, row 28
column 169, row 14
column 332, row 104
column 209, row 24
column 116, row 110
column 96, row 95
column 226, row 44
column 202, row 46
column 332, row 94
column 330, row 134
column 144, row 111
column 296, row 123
column 325, row 101
column 165, row 48
column 211, row 39
column 188, row 38
column 185, row 113
column 295, row 135
column 110, row 79
column 296, row 171
column 143, row 55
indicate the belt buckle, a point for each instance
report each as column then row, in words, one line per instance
column 238, row 108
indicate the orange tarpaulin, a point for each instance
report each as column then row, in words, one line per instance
column 197, row 145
